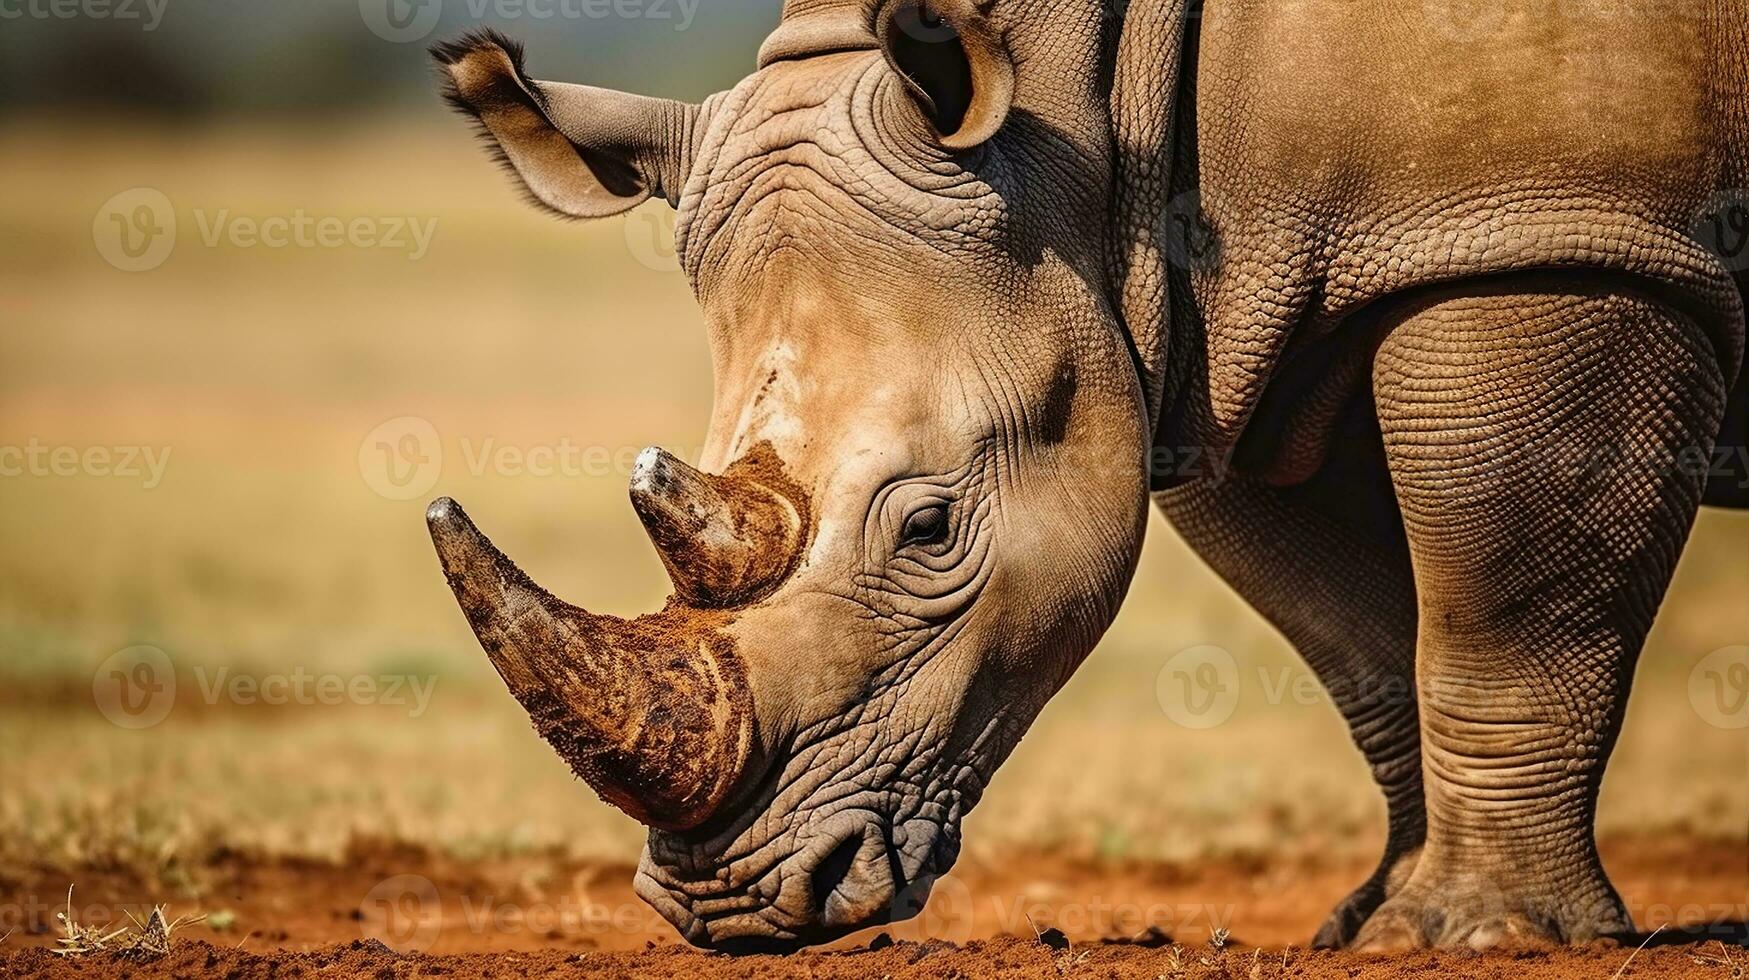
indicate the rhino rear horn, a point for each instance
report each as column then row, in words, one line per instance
column 725, row 540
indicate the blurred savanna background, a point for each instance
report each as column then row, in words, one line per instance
column 262, row 297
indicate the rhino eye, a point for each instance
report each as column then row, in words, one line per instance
column 925, row 527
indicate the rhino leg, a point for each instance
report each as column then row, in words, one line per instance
column 1530, row 427
column 1327, row 564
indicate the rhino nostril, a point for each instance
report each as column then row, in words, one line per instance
column 854, row 885
column 832, row 871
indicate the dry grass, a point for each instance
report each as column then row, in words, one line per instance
column 145, row 940
column 265, row 550
column 1733, row 967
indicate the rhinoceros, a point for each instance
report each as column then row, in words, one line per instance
column 1421, row 323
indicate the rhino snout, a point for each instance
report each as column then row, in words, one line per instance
column 853, row 873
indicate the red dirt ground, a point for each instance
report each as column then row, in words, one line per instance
column 396, row 912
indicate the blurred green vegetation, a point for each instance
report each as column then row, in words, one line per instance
column 244, row 58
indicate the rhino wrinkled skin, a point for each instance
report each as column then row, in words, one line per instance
column 1401, row 314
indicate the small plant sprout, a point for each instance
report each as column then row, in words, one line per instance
column 78, row 939
column 153, row 938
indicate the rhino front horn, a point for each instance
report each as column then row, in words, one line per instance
column 654, row 713
column 726, row 540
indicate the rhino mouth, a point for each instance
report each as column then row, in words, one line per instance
column 824, row 848
column 852, row 872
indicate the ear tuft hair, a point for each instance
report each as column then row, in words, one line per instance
column 452, row 51
column 494, row 50
column 577, row 150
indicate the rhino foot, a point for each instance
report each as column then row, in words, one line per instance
column 1345, row 922
column 1478, row 916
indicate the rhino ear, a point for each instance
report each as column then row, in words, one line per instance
column 955, row 63
column 580, row 151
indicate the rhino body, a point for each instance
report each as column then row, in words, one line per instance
column 1413, row 321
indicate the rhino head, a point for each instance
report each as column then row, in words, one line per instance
column 923, row 490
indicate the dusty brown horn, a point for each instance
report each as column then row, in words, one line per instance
column 654, row 713
column 726, row 540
